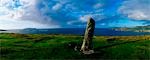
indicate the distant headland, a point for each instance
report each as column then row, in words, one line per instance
column 2, row 30
column 134, row 29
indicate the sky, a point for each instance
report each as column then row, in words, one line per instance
column 20, row 14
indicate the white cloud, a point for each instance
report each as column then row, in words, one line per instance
column 27, row 11
column 136, row 9
column 13, row 24
column 24, row 12
column 97, row 17
column 98, row 5
column 138, row 15
column 59, row 4
column 84, row 18
column 57, row 7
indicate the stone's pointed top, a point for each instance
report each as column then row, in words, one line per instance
column 90, row 19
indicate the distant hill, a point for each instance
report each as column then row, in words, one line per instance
column 135, row 29
column 30, row 29
column 2, row 30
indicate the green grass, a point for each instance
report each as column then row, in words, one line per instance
column 40, row 47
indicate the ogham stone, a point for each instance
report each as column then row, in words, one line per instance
column 86, row 47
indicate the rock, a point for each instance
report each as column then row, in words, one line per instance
column 88, row 52
column 86, row 47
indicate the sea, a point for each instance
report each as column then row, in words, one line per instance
column 76, row 31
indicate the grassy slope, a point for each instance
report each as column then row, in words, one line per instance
column 20, row 46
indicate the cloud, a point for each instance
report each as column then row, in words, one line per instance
column 52, row 12
column 14, row 24
column 69, row 13
column 97, row 17
column 98, row 5
column 57, row 6
column 23, row 10
column 84, row 18
column 136, row 9
column 138, row 15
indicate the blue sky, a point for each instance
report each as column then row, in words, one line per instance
column 18, row 14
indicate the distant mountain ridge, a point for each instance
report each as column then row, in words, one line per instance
column 135, row 29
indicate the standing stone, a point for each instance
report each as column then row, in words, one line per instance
column 87, row 42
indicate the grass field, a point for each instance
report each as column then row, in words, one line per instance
column 40, row 47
